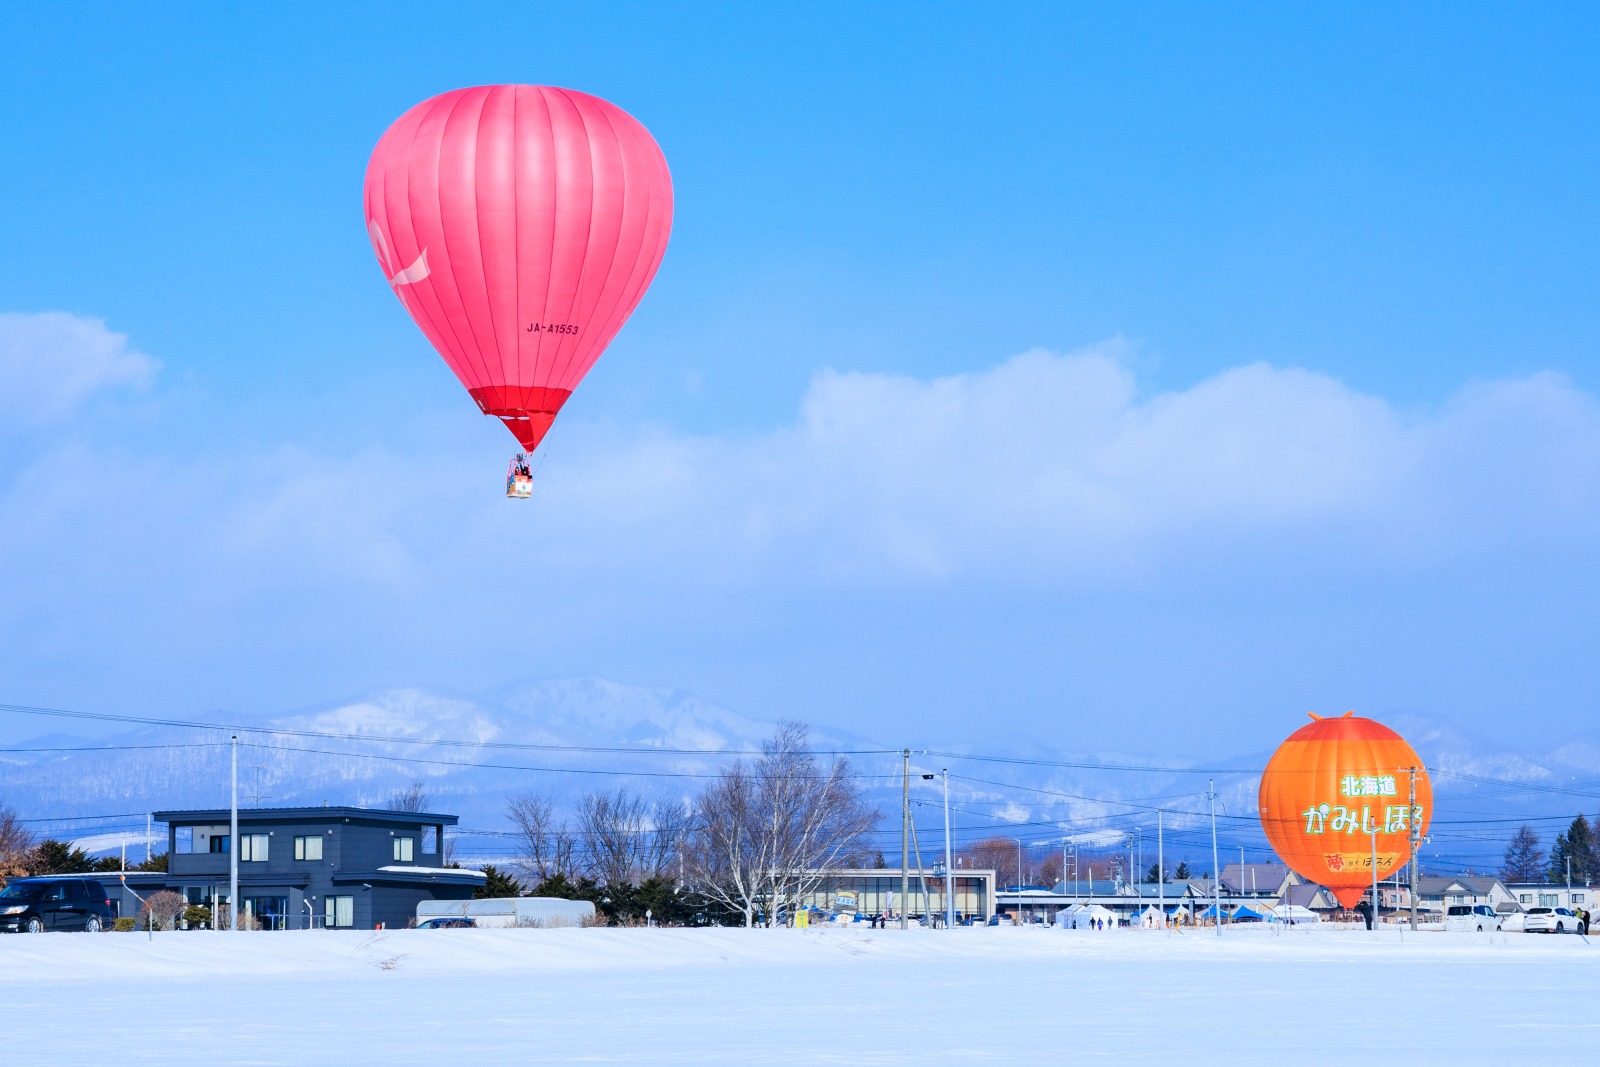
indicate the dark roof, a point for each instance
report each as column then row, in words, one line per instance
column 254, row 815
column 1481, row 884
column 1304, row 894
column 1253, row 877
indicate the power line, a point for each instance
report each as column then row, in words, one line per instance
column 646, row 750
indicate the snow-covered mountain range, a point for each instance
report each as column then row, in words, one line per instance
column 569, row 736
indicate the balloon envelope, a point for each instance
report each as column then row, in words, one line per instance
column 519, row 225
column 1333, row 786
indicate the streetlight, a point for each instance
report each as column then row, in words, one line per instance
column 1018, row 840
column 1216, row 869
column 949, row 878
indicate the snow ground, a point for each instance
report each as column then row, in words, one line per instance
column 1258, row 996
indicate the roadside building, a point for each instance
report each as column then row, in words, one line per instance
column 1437, row 893
column 1257, row 881
column 300, row 868
column 1314, row 898
column 1545, row 895
column 876, row 891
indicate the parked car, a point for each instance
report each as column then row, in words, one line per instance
column 1550, row 921
column 1476, row 917
column 447, row 922
column 35, row 905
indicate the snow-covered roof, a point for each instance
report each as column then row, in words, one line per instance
column 408, row 869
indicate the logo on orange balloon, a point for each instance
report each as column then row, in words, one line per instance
column 1331, row 789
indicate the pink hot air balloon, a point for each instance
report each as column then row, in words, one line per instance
column 520, row 226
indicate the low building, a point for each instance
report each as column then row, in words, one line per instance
column 301, row 868
column 876, row 891
column 1437, row 893
column 1545, row 895
column 1258, row 880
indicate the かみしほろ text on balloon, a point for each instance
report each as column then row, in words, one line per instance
column 1397, row 818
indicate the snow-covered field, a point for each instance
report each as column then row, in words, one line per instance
column 1260, row 996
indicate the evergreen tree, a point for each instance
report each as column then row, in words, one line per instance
column 157, row 862
column 1182, row 873
column 1524, row 859
column 1153, row 875
column 1577, row 845
column 498, row 883
column 559, row 885
column 59, row 857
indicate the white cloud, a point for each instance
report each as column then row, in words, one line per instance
column 50, row 362
column 1050, row 463
column 1046, row 470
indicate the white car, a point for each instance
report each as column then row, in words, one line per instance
column 1550, row 921
column 1476, row 917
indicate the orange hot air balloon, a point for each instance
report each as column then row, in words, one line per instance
column 1333, row 785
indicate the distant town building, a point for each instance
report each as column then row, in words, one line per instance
column 1545, row 895
column 1436, row 893
column 876, row 890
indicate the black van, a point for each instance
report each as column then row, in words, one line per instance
column 37, row 904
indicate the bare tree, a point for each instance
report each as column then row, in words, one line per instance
column 16, row 845
column 412, row 797
column 612, row 829
column 766, row 833
column 544, row 842
column 670, row 823
column 626, row 839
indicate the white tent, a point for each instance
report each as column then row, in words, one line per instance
column 1151, row 918
column 1083, row 917
column 1294, row 913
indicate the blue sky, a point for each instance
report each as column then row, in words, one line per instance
column 1309, row 418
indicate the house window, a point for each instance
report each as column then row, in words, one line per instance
column 1458, row 898
column 403, row 848
column 252, row 848
column 1577, row 898
column 219, row 843
column 308, row 848
column 1549, row 900
column 430, row 840
column 183, row 839
column 338, row 911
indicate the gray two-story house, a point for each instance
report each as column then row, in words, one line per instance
column 303, row 868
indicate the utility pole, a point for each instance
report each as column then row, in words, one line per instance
column 1411, row 821
column 148, row 816
column 233, row 843
column 905, row 835
column 1216, row 868
column 1018, row 840
column 1374, row 880
column 1161, row 873
column 949, row 875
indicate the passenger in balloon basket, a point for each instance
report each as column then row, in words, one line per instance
column 519, row 477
